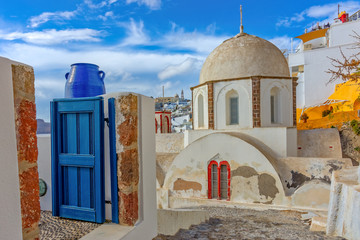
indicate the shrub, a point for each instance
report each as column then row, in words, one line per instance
column 355, row 126
column 304, row 117
column 326, row 112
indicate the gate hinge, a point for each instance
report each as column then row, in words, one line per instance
column 107, row 121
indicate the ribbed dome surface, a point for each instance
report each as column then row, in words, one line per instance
column 243, row 56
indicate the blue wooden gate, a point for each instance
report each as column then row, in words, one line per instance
column 77, row 148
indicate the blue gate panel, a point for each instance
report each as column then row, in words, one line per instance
column 78, row 158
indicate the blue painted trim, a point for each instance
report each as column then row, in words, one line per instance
column 54, row 172
column 78, row 213
column 113, row 162
column 76, row 160
column 99, row 162
column 77, row 165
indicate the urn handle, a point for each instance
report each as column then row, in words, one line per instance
column 102, row 75
column 66, row 75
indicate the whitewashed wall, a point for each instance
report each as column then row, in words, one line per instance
column 313, row 87
column 285, row 144
column 44, row 168
column 10, row 213
column 192, row 163
column 243, row 89
column 286, row 100
column 196, row 92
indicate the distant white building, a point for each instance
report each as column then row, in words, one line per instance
column 310, row 61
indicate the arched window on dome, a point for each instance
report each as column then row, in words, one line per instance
column 275, row 105
column 219, row 180
column 200, row 111
column 232, row 108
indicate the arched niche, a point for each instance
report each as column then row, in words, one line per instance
column 233, row 99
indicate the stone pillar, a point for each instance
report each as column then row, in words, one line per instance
column 127, row 122
column 27, row 152
column 211, row 105
column 294, row 84
column 256, row 101
column 19, row 180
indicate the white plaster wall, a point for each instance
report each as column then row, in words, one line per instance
column 204, row 91
column 146, row 228
column 312, row 195
column 191, row 165
column 286, row 98
column 44, row 168
column 316, row 88
column 10, row 213
column 285, row 144
column 340, row 34
column 343, row 215
column 324, row 143
column 243, row 89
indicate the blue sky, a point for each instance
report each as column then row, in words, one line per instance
column 142, row 44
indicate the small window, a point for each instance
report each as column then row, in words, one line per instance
column 275, row 105
column 200, row 111
column 214, row 181
column 234, row 110
column 223, row 182
column 219, row 180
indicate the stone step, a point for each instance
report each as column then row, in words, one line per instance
column 318, row 224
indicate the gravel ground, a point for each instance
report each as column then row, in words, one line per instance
column 234, row 223
column 56, row 228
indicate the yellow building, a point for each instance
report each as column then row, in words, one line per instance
column 341, row 106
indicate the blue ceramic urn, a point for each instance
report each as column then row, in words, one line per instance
column 84, row 80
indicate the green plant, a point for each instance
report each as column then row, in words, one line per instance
column 325, row 113
column 355, row 126
column 357, row 149
column 304, row 117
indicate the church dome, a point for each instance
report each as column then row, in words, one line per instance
column 244, row 56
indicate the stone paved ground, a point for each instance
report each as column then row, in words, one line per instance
column 56, row 228
column 234, row 223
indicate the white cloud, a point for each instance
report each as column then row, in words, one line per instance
column 152, row 4
column 284, row 42
column 90, row 4
column 53, row 36
column 51, row 16
column 101, row 4
column 135, row 33
column 328, row 11
column 195, row 41
column 188, row 65
column 107, row 15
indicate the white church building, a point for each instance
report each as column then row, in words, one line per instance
column 244, row 148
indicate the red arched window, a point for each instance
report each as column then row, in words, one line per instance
column 168, row 124
column 225, row 175
column 219, row 176
column 156, row 126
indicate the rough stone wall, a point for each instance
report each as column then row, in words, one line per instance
column 256, row 101
column 27, row 152
column 294, row 84
column 296, row 171
column 169, row 142
column 127, row 150
column 211, row 105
